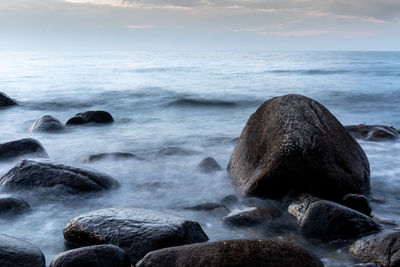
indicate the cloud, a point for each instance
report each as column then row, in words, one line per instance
column 140, row 26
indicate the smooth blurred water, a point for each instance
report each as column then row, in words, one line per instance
column 199, row 101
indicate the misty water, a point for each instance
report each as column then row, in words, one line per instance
column 199, row 102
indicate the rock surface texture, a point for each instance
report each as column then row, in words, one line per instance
column 98, row 116
column 47, row 123
column 21, row 148
column 10, row 205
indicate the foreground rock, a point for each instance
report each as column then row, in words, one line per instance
column 294, row 144
column 92, row 256
column 18, row 253
column 251, row 216
column 356, row 202
column 47, row 124
column 137, row 231
column 209, row 165
column 22, row 148
column 98, row 116
column 30, row 173
column 108, row 156
column 5, row 100
column 250, row 252
column 326, row 220
column 373, row 132
column 383, row 249
column 10, row 205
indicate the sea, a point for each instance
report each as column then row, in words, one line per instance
column 198, row 103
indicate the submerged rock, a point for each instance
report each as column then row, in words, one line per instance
column 106, row 156
column 356, row 202
column 209, row 165
column 137, row 231
column 373, row 132
column 98, row 116
column 208, row 206
column 10, row 205
column 18, row 253
column 47, row 123
column 251, row 216
column 92, row 256
column 294, row 144
column 174, row 151
column 326, row 220
column 22, row 148
column 30, row 173
column 5, row 100
column 232, row 253
column 383, row 249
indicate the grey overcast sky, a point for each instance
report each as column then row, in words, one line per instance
column 200, row 24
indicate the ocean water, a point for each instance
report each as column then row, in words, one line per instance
column 197, row 101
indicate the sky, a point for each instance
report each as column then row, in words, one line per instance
column 275, row 25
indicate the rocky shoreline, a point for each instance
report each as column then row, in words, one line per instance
column 293, row 154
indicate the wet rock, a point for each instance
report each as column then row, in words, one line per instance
column 384, row 221
column 383, row 249
column 209, row 165
column 108, row 156
column 294, row 144
column 231, row 253
column 373, row 132
column 47, row 123
column 174, row 151
column 230, row 200
column 18, row 253
column 137, row 231
column 251, row 216
column 365, row 265
column 30, row 173
column 22, row 148
column 209, row 206
column 326, row 220
column 98, row 116
column 357, row 202
column 92, row 256
column 10, row 205
column 5, row 100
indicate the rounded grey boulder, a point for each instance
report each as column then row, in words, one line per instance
column 47, row 123
column 5, row 100
column 10, row 205
column 97, row 116
column 209, row 165
column 294, row 144
column 22, row 148
column 232, row 253
column 137, row 231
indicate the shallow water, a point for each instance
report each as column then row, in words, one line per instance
column 199, row 101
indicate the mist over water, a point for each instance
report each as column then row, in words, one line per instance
column 196, row 101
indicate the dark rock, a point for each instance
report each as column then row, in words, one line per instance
column 326, row 220
column 373, row 132
column 47, row 124
column 233, row 253
column 105, row 156
column 230, row 200
column 365, row 265
column 21, row 148
column 29, row 173
column 137, row 231
column 357, row 202
column 91, row 116
column 383, row 249
column 384, row 221
column 294, row 144
column 5, row 100
column 209, row 165
column 10, row 205
column 251, row 216
column 15, row 252
column 174, row 151
column 208, row 206
column 92, row 256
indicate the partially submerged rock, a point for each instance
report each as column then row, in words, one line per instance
column 98, row 116
column 92, row 256
column 357, row 202
column 108, row 156
column 22, row 148
column 294, row 144
column 5, row 100
column 209, row 165
column 208, row 206
column 30, row 173
column 233, row 253
column 137, row 231
column 373, row 132
column 11, row 205
column 174, row 151
column 47, row 123
column 251, row 216
column 18, row 253
column 383, row 249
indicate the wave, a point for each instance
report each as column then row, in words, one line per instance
column 158, row 69
column 310, row 72
column 55, row 105
column 193, row 102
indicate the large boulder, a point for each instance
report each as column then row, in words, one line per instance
column 47, row 123
column 92, row 256
column 30, row 173
column 383, row 249
column 327, row 220
column 5, row 100
column 294, row 144
column 10, row 205
column 231, row 253
column 15, row 252
column 22, row 148
column 137, row 231
column 97, row 116
column 373, row 132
